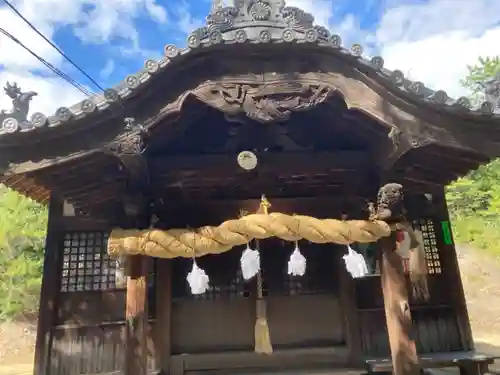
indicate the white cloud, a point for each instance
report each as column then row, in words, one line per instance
column 440, row 61
column 94, row 21
column 186, row 23
column 107, row 70
column 52, row 92
column 321, row 9
column 434, row 41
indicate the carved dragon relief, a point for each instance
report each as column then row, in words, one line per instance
column 265, row 103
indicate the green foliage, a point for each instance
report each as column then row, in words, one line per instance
column 23, row 226
column 474, row 201
column 485, row 68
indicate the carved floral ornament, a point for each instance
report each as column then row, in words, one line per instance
column 252, row 22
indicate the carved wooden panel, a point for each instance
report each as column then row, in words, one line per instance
column 263, row 102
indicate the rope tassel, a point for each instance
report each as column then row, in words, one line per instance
column 262, row 336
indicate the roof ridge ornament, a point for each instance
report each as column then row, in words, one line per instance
column 12, row 120
column 217, row 5
column 264, row 19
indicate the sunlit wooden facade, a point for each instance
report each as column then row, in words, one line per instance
column 328, row 126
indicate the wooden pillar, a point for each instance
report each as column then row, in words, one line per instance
column 50, row 287
column 397, row 310
column 136, row 316
column 163, row 329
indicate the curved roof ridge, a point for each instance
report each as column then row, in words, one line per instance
column 252, row 22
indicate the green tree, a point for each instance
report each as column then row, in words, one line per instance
column 23, row 226
column 474, row 200
column 484, row 69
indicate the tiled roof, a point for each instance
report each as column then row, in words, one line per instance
column 252, row 22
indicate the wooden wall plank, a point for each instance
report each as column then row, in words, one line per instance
column 95, row 350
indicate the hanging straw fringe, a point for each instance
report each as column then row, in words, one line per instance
column 417, row 264
column 262, row 336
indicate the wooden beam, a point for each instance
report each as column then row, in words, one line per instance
column 397, row 310
column 136, row 317
column 306, row 163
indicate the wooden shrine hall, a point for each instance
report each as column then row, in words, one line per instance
column 204, row 214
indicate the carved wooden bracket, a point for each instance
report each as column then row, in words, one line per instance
column 403, row 141
column 129, row 149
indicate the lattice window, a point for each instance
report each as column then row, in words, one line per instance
column 86, row 265
column 428, row 230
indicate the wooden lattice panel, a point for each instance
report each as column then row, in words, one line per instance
column 428, row 230
column 86, row 265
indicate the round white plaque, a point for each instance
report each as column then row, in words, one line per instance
column 247, row 160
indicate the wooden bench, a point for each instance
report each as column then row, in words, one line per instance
column 469, row 362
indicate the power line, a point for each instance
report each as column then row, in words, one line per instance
column 13, row 8
column 67, row 78
column 55, row 70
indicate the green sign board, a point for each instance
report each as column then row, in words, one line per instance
column 445, row 229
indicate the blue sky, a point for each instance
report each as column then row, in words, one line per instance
column 108, row 64
column 430, row 40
